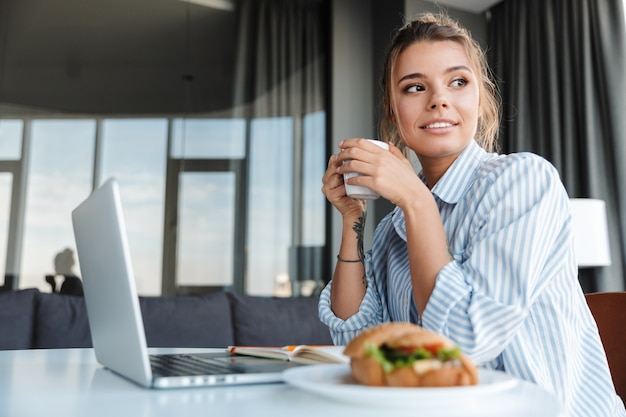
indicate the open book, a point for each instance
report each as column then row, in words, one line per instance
column 301, row 354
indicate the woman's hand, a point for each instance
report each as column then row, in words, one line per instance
column 335, row 190
column 389, row 173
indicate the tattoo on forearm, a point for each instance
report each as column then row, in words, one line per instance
column 358, row 228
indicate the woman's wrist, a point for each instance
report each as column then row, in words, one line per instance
column 350, row 261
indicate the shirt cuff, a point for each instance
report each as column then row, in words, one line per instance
column 451, row 292
column 343, row 331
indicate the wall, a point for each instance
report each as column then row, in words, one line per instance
column 474, row 22
column 352, row 106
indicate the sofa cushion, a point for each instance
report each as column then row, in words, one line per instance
column 186, row 321
column 61, row 322
column 17, row 316
column 273, row 321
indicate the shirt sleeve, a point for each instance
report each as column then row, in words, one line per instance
column 518, row 237
column 370, row 312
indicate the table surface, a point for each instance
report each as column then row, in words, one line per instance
column 69, row 382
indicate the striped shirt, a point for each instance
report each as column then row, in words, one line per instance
column 510, row 298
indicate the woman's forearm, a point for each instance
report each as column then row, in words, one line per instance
column 428, row 248
column 349, row 282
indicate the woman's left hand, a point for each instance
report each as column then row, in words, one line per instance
column 389, row 173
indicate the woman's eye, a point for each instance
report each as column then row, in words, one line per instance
column 459, row 82
column 413, row 88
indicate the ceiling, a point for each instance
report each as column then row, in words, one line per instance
column 112, row 57
column 126, row 56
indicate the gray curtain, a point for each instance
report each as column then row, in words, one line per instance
column 280, row 68
column 280, row 73
column 560, row 66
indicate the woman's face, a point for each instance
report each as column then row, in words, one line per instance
column 436, row 99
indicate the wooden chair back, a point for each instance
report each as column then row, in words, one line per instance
column 609, row 311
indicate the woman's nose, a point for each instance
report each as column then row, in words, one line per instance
column 438, row 99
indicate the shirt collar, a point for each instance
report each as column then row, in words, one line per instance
column 453, row 184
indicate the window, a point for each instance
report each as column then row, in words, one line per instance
column 58, row 178
column 6, row 180
column 134, row 151
column 270, row 200
column 210, row 200
column 11, row 140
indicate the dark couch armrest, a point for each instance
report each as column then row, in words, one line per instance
column 17, row 315
column 187, row 321
column 264, row 321
column 61, row 322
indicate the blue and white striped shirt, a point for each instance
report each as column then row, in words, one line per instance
column 510, row 298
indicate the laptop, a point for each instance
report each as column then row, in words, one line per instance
column 114, row 313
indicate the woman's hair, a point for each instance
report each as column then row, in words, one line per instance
column 429, row 27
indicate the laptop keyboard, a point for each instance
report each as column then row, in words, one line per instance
column 185, row 364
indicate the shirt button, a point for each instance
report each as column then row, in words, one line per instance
column 406, row 300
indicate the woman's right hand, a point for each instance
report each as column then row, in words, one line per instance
column 335, row 191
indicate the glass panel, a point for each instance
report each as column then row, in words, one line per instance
column 6, row 180
column 306, row 267
column 206, row 222
column 134, row 151
column 270, row 203
column 59, row 178
column 11, row 139
column 314, row 166
column 209, row 138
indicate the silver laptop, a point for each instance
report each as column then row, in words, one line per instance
column 114, row 314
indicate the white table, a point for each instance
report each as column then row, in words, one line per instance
column 69, row 382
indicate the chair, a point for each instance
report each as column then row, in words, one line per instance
column 609, row 311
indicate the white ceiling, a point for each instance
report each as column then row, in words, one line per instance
column 475, row 6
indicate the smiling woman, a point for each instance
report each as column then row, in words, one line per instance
column 436, row 101
column 479, row 243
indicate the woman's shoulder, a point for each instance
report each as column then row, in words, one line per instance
column 511, row 174
column 527, row 164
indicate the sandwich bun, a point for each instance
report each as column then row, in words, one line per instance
column 370, row 364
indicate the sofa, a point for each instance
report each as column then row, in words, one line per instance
column 31, row 319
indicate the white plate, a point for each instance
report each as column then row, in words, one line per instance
column 334, row 381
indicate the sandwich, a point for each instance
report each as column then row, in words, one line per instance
column 406, row 355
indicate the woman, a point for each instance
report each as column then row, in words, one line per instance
column 479, row 246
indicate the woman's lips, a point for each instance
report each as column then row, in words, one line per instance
column 440, row 127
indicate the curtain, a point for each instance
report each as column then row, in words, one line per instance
column 280, row 85
column 280, row 69
column 560, row 65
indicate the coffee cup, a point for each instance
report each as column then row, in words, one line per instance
column 358, row 191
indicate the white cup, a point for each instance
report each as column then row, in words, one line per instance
column 357, row 191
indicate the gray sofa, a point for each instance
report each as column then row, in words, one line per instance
column 30, row 318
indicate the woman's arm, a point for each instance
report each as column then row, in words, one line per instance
column 510, row 245
column 349, row 281
column 427, row 245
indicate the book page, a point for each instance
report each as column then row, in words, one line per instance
column 320, row 354
column 301, row 354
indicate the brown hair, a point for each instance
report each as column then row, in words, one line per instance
column 430, row 27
